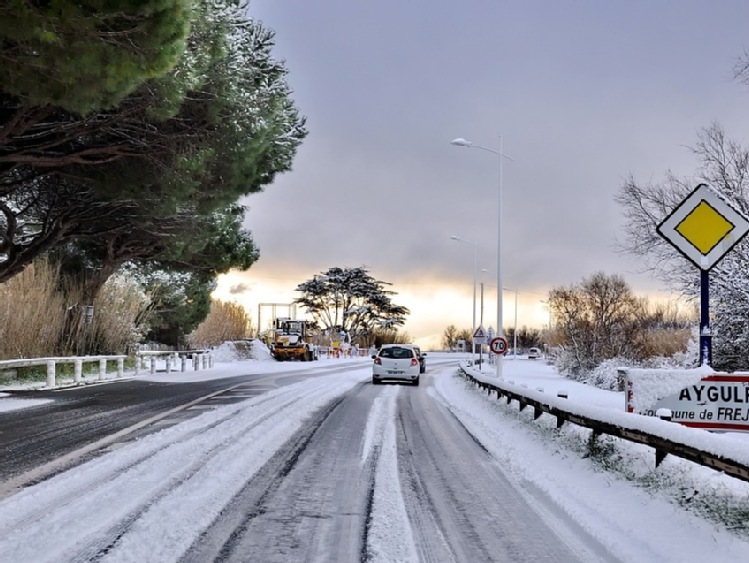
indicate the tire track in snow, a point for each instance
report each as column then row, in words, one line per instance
column 388, row 535
column 249, row 503
column 68, row 527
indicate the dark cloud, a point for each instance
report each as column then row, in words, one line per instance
column 239, row 289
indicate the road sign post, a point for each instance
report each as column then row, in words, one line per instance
column 704, row 228
column 479, row 337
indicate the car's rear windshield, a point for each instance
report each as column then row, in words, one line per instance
column 396, row 353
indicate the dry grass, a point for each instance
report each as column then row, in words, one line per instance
column 32, row 313
column 664, row 342
column 39, row 318
column 388, row 336
column 225, row 322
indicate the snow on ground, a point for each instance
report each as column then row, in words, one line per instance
column 641, row 519
column 172, row 472
column 10, row 403
column 676, row 512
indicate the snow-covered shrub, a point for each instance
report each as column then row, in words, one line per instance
column 119, row 322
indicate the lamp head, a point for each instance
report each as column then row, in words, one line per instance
column 461, row 142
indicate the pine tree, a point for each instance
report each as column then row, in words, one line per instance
column 85, row 55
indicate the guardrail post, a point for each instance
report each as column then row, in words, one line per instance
column 210, row 360
column 621, row 378
column 205, row 362
column 153, row 365
column 77, row 370
column 102, row 369
column 120, row 367
column 50, row 373
column 169, row 363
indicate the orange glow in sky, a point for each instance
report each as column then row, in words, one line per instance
column 434, row 304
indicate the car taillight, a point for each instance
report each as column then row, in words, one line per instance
column 378, row 361
column 414, row 362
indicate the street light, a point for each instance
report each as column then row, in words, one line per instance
column 475, row 265
column 460, row 142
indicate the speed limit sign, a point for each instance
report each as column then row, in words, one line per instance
column 498, row 345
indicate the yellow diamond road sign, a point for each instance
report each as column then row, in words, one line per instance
column 704, row 227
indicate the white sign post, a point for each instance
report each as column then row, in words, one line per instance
column 479, row 337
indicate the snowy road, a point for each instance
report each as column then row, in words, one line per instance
column 383, row 473
column 462, row 505
column 332, row 468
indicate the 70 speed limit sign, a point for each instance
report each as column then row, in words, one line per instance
column 498, row 345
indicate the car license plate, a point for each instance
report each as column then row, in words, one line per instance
column 395, row 372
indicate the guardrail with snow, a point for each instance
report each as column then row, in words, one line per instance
column 200, row 359
column 698, row 446
column 77, row 362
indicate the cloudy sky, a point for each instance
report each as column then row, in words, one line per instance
column 583, row 94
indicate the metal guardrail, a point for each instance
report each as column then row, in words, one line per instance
column 662, row 444
column 77, row 361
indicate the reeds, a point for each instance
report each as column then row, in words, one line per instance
column 225, row 322
column 32, row 313
column 39, row 317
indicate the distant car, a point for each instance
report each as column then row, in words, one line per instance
column 419, row 354
column 534, row 353
column 396, row 362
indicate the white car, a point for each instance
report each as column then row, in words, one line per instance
column 397, row 363
column 420, row 355
column 534, row 353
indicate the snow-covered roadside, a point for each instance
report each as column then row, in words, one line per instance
column 616, row 494
column 638, row 512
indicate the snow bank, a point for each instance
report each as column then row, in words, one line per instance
column 646, row 386
column 241, row 350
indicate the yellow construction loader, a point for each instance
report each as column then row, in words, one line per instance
column 289, row 340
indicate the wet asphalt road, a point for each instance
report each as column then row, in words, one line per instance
column 39, row 441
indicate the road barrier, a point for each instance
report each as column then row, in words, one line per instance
column 200, row 359
column 77, row 361
column 664, row 436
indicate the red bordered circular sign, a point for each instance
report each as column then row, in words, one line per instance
column 498, row 345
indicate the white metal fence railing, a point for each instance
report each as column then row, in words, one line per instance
column 172, row 361
column 198, row 359
column 77, row 361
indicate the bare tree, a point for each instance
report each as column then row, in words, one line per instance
column 450, row 337
column 597, row 320
column 723, row 164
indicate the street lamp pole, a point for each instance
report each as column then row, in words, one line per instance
column 515, row 333
column 475, row 274
column 515, row 330
column 460, row 142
